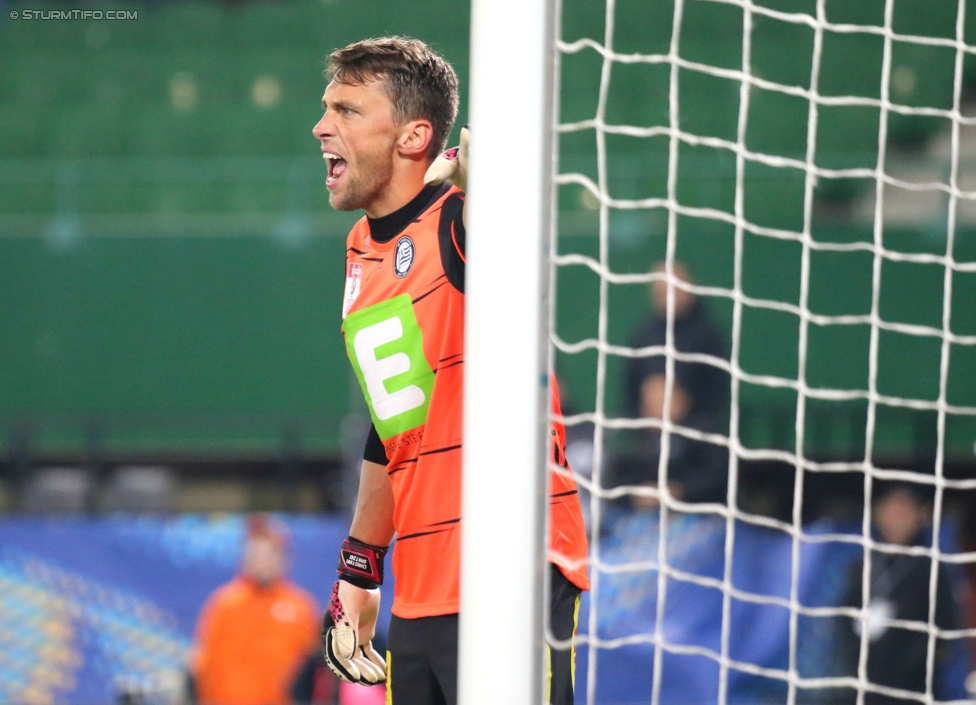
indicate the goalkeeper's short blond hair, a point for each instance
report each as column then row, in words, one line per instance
column 421, row 84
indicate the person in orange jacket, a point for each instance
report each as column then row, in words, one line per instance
column 256, row 631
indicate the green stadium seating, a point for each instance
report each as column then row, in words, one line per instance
column 129, row 126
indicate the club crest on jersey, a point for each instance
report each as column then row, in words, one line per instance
column 403, row 256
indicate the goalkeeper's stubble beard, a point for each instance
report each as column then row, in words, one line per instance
column 361, row 186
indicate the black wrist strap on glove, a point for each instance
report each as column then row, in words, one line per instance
column 361, row 564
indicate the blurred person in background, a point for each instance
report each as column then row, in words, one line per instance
column 697, row 470
column 694, row 332
column 256, row 631
column 899, row 590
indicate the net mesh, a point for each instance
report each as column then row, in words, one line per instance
column 809, row 162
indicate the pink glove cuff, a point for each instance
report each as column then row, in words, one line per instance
column 361, row 564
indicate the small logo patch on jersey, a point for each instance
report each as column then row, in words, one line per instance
column 354, row 277
column 403, row 256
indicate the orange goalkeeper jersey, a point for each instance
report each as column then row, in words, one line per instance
column 403, row 322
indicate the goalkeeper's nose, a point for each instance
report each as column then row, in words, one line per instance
column 324, row 128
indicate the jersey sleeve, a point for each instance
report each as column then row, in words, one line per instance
column 459, row 231
column 374, row 451
column 451, row 237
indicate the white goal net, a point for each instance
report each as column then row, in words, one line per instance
column 779, row 485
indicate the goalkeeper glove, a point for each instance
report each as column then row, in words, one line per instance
column 452, row 165
column 349, row 623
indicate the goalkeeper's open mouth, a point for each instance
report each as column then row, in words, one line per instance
column 337, row 167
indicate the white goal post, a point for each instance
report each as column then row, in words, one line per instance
column 506, row 352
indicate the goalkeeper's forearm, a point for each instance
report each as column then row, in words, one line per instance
column 372, row 522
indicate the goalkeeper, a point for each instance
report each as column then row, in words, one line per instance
column 388, row 110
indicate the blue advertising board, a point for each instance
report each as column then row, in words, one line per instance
column 90, row 604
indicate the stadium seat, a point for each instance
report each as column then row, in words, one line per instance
column 57, row 489
column 139, row 488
